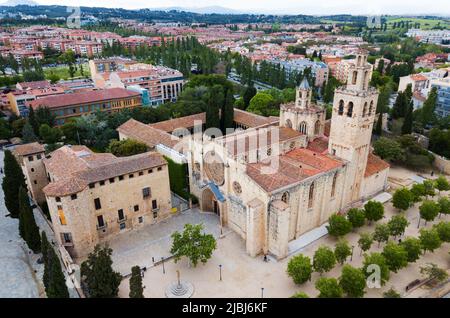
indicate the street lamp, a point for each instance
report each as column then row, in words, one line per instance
column 351, row 257
column 220, row 272
column 162, row 260
column 262, row 292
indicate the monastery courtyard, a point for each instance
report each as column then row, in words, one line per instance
column 244, row 276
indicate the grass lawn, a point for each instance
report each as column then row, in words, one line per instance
column 425, row 24
column 63, row 71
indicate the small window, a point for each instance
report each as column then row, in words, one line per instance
column 141, row 173
column 159, row 168
column 136, row 208
column 131, row 176
column 150, row 171
column 73, row 196
column 66, row 237
column 30, row 158
column 58, row 199
column 100, row 221
column 32, row 169
column 140, row 219
column 121, row 215
column 97, row 203
column 155, row 214
column 91, row 185
column 146, row 192
column 35, row 181
column 120, row 178
column 111, row 180
column 102, row 183
column 122, row 225
column 154, row 204
column 38, row 157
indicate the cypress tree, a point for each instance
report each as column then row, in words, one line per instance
column 13, row 180
column 227, row 119
column 399, row 108
column 136, row 289
column 408, row 122
column 379, row 125
column 33, row 121
column 27, row 224
column 56, row 285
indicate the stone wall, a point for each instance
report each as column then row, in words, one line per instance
column 442, row 164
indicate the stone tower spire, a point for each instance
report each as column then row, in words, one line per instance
column 303, row 94
column 352, row 122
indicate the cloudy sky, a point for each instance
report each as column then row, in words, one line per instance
column 441, row 7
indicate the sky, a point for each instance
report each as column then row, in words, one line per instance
column 320, row 7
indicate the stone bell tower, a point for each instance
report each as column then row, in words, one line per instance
column 302, row 115
column 352, row 121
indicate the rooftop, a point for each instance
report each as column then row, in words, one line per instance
column 74, row 168
column 374, row 165
column 147, row 134
column 29, row 149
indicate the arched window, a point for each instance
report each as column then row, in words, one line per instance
column 317, row 127
column 359, row 60
column 364, row 110
column 355, row 75
column 303, row 127
column 341, row 107
column 366, row 80
column 288, row 123
column 311, row 196
column 371, row 108
column 333, row 186
column 350, row 109
column 285, row 197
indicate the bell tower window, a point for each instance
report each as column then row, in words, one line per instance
column 350, row 109
column 311, row 196
column 341, row 107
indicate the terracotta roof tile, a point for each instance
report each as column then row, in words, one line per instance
column 147, row 134
column 182, row 122
column 374, row 164
column 28, row 149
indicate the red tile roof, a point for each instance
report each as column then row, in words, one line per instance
column 293, row 167
column 182, row 122
column 147, row 134
column 319, row 145
column 82, row 98
column 374, row 165
column 29, row 149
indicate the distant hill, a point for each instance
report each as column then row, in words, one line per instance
column 13, row 3
column 201, row 10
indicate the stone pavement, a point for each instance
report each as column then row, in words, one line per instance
column 139, row 246
column 17, row 274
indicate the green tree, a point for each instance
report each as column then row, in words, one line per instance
column 323, row 260
column 376, row 259
column 365, row 242
column 126, row 147
column 396, row 256
column 427, row 114
column 27, row 224
column 357, row 217
column 97, row 272
column 443, row 229
column 193, row 244
column 249, row 92
column 397, row 225
column 352, row 281
column 299, row 268
column 444, row 205
column 342, row 250
column 263, row 104
column 429, row 210
column 215, row 98
column 136, row 289
column 374, row 211
column 12, row 182
column 391, row 293
column 418, row 191
column 338, row 225
column 50, row 135
column 429, row 188
column 413, row 248
column 408, row 121
column 433, row 272
column 381, row 233
column 388, row 149
column 32, row 120
column 402, row 199
column 28, row 134
column 429, row 239
column 300, row 295
column 328, row 288
column 56, row 286
column 442, row 184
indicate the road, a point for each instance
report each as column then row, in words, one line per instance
column 17, row 275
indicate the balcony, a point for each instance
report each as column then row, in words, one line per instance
column 103, row 227
column 122, row 220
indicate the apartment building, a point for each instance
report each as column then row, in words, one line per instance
column 318, row 69
column 66, row 106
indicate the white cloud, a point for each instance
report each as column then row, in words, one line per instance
column 323, row 7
